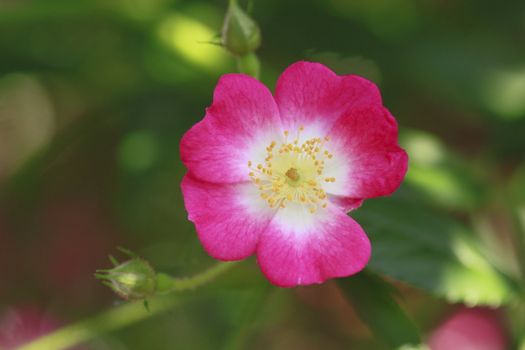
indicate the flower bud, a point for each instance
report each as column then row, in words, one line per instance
column 134, row 279
column 240, row 33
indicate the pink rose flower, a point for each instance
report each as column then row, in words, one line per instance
column 275, row 175
column 20, row 325
column 471, row 329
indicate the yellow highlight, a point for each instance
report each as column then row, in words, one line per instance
column 473, row 270
column 504, row 93
column 423, row 148
column 190, row 39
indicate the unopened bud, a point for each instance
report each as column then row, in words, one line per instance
column 240, row 33
column 134, row 279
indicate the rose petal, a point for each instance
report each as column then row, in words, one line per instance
column 240, row 123
column 299, row 248
column 346, row 204
column 229, row 218
column 369, row 161
column 310, row 93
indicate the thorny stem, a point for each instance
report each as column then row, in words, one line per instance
column 125, row 314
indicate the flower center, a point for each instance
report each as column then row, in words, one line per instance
column 293, row 172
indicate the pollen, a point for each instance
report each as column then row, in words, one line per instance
column 292, row 172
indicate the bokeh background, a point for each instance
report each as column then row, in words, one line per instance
column 95, row 96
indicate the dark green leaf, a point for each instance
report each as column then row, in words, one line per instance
column 415, row 243
column 373, row 301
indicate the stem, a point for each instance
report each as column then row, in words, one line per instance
column 181, row 284
column 124, row 315
column 249, row 64
column 107, row 321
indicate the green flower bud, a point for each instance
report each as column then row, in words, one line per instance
column 134, row 279
column 240, row 33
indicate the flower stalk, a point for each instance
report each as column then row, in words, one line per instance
column 128, row 313
column 249, row 64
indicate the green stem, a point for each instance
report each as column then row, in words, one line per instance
column 124, row 315
column 249, row 64
column 171, row 284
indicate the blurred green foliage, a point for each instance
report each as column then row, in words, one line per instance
column 95, row 95
column 375, row 304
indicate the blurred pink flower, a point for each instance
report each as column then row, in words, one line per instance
column 470, row 329
column 20, row 325
column 275, row 176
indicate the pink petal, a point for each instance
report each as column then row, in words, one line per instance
column 471, row 329
column 229, row 218
column 346, row 204
column 374, row 164
column 310, row 93
column 243, row 117
column 301, row 250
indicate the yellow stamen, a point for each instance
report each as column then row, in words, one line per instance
column 294, row 173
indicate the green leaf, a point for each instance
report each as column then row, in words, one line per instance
column 416, row 244
column 516, row 197
column 440, row 175
column 343, row 65
column 373, row 301
column 515, row 203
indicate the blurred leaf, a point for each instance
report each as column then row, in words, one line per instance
column 22, row 11
column 389, row 19
column 515, row 200
column 373, row 301
column 440, row 175
column 516, row 187
column 416, row 244
column 138, row 151
column 348, row 65
column 504, row 93
column 247, row 316
column 27, row 120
